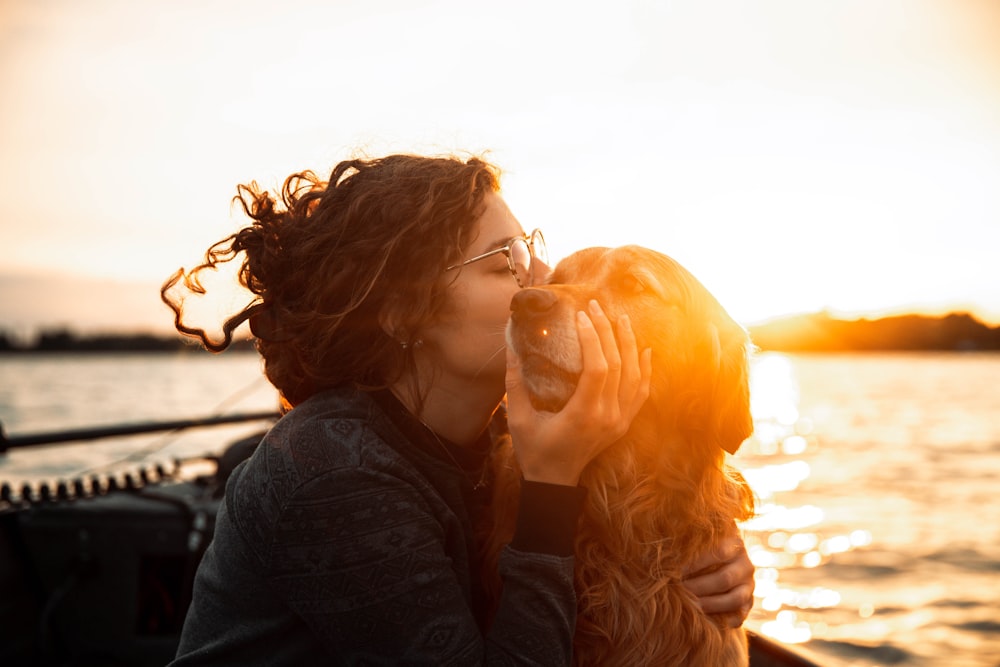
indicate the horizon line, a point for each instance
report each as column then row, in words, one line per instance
column 22, row 333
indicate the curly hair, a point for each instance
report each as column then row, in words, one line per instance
column 332, row 261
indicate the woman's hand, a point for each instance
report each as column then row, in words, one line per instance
column 556, row 447
column 723, row 582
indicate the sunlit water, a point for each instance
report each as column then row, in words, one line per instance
column 878, row 535
column 41, row 393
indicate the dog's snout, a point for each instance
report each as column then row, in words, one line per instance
column 530, row 301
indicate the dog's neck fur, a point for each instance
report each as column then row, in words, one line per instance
column 643, row 524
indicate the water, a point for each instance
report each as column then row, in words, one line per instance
column 878, row 541
column 40, row 393
column 878, row 537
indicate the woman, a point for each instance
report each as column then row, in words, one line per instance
column 381, row 298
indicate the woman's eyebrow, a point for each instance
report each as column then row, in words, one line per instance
column 499, row 243
column 505, row 240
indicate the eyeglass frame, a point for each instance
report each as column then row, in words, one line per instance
column 529, row 240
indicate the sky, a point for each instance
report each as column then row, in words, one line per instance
column 795, row 155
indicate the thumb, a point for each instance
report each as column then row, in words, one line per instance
column 516, row 393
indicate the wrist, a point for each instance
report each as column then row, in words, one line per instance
column 547, row 518
column 560, row 473
column 556, row 479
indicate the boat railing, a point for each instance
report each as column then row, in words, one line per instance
column 27, row 494
column 95, row 433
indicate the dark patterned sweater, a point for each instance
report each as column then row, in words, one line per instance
column 346, row 539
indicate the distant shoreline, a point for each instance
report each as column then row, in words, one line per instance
column 818, row 332
column 956, row 332
column 62, row 341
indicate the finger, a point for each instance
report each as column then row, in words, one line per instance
column 736, row 602
column 628, row 350
column 733, row 578
column 595, row 369
column 645, row 381
column 723, row 553
column 637, row 370
column 517, row 395
column 733, row 620
column 604, row 330
column 612, row 358
column 716, row 582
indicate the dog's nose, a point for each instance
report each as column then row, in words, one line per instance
column 530, row 301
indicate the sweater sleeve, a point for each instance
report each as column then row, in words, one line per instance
column 547, row 518
column 541, row 551
column 364, row 560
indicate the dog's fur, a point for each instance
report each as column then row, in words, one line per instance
column 663, row 494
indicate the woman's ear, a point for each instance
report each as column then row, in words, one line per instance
column 388, row 320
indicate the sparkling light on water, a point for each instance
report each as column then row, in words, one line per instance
column 782, row 537
column 778, row 517
column 787, row 628
column 767, row 480
column 774, row 396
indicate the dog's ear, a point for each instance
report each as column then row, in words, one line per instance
column 731, row 421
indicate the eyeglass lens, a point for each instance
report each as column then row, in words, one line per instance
column 520, row 259
column 538, row 248
column 522, row 254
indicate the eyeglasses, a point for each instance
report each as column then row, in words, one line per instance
column 521, row 251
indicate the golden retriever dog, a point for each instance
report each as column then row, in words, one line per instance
column 663, row 494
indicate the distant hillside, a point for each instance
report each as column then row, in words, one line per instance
column 67, row 341
column 822, row 333
column 800, row 333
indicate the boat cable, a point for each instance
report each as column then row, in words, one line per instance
column 103, row 479
column 170, row 437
